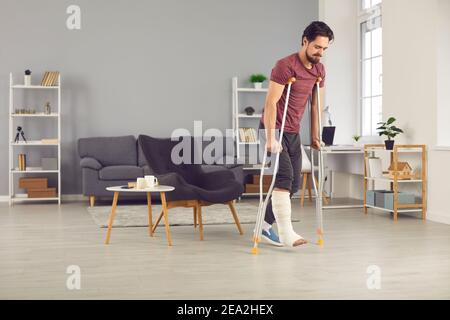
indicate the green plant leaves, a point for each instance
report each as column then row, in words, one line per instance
column 390, row 120
column 388, row 129
column 257, row 78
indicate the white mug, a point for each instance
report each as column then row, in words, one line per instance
column 141, row 183
column 151, row 181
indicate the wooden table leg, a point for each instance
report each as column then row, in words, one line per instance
column 158, row 221
column 166, row 218
column 150, row 217
column 235, row 217
column 111, row 216
column 200, row 221
column 195, row 217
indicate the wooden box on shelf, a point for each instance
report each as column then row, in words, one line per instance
column 33, row 183
column 42, row 193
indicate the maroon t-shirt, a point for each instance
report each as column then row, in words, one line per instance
column 286, row 68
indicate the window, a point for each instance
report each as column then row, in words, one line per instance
column 371, row 66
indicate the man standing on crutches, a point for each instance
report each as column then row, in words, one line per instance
column 307, row 70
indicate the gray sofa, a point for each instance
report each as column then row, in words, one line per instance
column 111, row 161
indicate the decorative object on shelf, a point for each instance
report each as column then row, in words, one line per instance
column 249, row 111
column 404, row 171
column 20, row 133
column 49, row 163
column 47, row 109
column 50, row 79
column 22, row 162
column 374, row 168
column 27, row 78
column 390, row 130
column 257, row 80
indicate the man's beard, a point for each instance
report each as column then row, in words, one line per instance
column 313, row 59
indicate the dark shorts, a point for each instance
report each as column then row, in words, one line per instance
column 290, row 163
column 289, row 168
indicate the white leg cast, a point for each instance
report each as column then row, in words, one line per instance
column 281, row 206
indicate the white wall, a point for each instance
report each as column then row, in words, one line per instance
column 341, row 82
column 410, row 84
column 443, row 73
column 139, row 67
column 341, row 66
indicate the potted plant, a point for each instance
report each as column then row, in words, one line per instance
column 390, row 130
column 257, row 80
column 27, row 78
column 356, row 139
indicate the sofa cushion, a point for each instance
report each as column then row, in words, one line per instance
column 121, row 173
column 90, row 163
column 109, row 151
column 141, row 158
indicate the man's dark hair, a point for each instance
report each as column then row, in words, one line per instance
column 317, row 28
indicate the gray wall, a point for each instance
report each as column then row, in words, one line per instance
column 142, row 66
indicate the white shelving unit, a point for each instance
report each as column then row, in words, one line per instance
column 237, row 115
column 13, row 170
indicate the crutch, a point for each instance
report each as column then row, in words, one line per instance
column 263, row 204
column 318, row 189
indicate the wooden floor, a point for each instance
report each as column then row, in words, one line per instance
column 39, row 241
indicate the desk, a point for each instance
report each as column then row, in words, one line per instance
column 343, row 158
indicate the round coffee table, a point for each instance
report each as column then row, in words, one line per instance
column 160, row 189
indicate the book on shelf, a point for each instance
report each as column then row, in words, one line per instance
column 247, row 135
column 49, row 141
column 50, row 79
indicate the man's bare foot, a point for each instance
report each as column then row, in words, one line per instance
column 299, row 242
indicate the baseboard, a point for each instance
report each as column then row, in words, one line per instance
column 73, row 197
column 439, row 217
column 64, row 197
